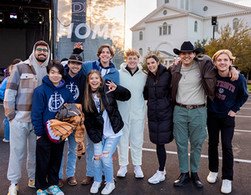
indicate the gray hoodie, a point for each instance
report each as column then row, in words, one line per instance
column 40, row 69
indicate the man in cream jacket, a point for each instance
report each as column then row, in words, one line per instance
column 133, row 114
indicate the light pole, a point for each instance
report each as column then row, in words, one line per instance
column 214, row 23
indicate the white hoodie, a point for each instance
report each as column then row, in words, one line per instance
column 135, row 107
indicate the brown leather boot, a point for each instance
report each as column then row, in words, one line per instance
column 87, row 180
column 60, row 183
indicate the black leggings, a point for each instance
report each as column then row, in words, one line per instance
column 161, row 154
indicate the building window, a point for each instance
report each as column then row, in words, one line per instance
column 169, row 29
column 184, row 4
column 166, row 1
column 205, row 8
column 140, row 35
column 195, row 26
column 165, row 12
column 235, row 23
column 160, row 30
column 164, row 28
column 141, row 51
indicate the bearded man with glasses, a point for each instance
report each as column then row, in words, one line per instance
column 25, row 77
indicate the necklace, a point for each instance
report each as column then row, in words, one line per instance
column 184, row 74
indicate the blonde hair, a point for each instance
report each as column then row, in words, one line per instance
column 132, row 52
column 223, row 51
column 88, row 92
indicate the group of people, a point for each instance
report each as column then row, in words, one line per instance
column 194, row 93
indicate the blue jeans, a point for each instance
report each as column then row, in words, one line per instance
column 103, row 152
column 6, row 128
column 89, row 157
column 71, row 158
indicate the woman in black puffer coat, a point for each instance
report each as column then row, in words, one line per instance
column 157, row 92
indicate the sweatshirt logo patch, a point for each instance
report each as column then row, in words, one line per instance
column 197, row 75
column 55, row 102
column 74, row 90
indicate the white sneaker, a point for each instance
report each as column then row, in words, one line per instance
column 157, row 177
column 212, row 177
column 226, row 186
column 95, row 186
column 5, row 140
column 13, row 189
column 109, row 187
column 138, row 172
column 122, row 171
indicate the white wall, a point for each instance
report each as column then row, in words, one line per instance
column 172, row 3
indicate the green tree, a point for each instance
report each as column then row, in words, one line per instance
column 200, row 44
column 238, row 41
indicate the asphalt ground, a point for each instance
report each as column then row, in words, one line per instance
column 132, row 186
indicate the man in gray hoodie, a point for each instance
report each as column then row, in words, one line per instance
column 25, row 77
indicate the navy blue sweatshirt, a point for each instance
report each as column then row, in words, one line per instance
column 75, row 84
column 47, row 99
column 230, row 95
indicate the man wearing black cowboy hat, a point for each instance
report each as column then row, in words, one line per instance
column 193, row 78
column 75, row 82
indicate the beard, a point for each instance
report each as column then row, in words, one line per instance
column 41, row 58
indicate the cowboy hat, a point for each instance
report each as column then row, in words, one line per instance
column 187, row 46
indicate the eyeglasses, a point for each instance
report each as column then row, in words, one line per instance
column 40, row 50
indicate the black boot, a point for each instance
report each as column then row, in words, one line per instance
column 196, row 180
column 182, row 179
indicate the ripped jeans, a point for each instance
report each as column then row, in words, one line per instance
column 103, row 152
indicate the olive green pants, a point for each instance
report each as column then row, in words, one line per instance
column 189, row 125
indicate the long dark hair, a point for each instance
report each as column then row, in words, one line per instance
column 157, row 73
column 88, row 92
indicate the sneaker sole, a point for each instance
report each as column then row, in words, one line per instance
column 94, row 192
column 121, row 176
column 156, row 182
column 60, row 193
column 31, row 186
column 213, row 181
column 107, row 192
column 139, row 177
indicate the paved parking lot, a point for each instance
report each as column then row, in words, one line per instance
column 131, row 186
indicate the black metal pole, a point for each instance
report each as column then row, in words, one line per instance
column 52, row 29
column 213, row 31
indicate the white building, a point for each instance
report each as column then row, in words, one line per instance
column 176, row 21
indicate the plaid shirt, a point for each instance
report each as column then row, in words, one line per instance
column 19, row 92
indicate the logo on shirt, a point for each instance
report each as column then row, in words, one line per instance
column 55, row 102
column 74, row 90
column 225, row 85
column 197, row 75
column 221, row 90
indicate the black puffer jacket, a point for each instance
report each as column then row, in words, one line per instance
column 159, row 106
column 94, row 120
